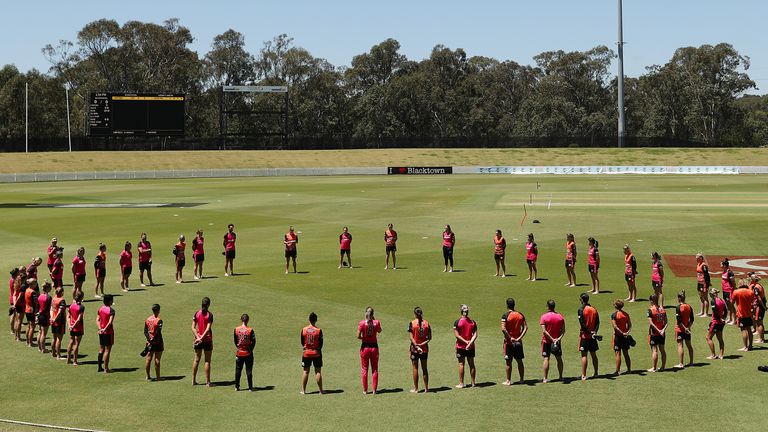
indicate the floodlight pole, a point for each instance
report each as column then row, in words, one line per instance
column 622, row 131
column 69, row 129
column 26, row 117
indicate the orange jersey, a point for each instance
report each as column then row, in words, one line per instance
column 245, row 339
column 311, row 341
column 743, row 297
column 684, row 314
column 658, row 317
column 499, row 245
column 622, row 321
column 514, row 322
column 290, row 241
column 421, row 333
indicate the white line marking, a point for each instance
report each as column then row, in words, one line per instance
column 47, row 426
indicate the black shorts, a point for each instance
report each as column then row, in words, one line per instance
column 727, row 296
column 392, row 248
column 419, row 355
column 657, row 286
column 656, row 340
column 101, row 273
column 127, row 271
column 57, row 282
column 80, row 278
column 588, row 345
column 316, row 362
column 513, row 351
column 620, row 342
column 181, row 263
column 548, row 349
column 745, row 323
column 593, row 268
column 498, row 256
column 230, row 254
column 700, row 287
column 683, row 336
column 569, row 263
column 759, row 314
column 42, row 320
column 50, row 267
column 156, row 347
column 344, row 251
column 30, row 317
column 199, row 257
column 19, row 308
column 464, row 353
column 204, row 345
column 75, row 333
column 530, row 262
column 628, row 277
column 57, row 329
column 146, row 265
column 106, row 339
column 290, row 253
column 715, row 327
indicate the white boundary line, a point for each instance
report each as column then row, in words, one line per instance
column 47, row 426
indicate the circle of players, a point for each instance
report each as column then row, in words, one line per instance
column 742, row 304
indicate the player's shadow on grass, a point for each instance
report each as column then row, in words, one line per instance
column 238, row 274
column 138, row 289
column 122, row 370
column 530, row 382
column 157, row 285
column 190, row 281
column 222, row 383
column 581, row 284
column 759, row 348
column 606, row 292
column 265, row 388
column 485, row 384
column 540, row 279
column 89, row 362
column 326, row 392
column 391, row 390
column 458, row 271
column 637, row 372
column 732, row 357
column 209, row 277
column 439, row 389
column 303, row 272
column 172, row 378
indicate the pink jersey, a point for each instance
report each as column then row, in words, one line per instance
column 592, row 256
column 126, row 259
column 104, row 313
column 146, row 255
column 202, row 319
column 530, row 251
column 718, row 311
column 43, row 303
column 198, row 246
column 370, row 331
column 656, row 269
column 78, row 265
column 449, row 239
column 57, row 272
column 32, row 272
column 229, row 241
column 726, row 278
column 553, row 323
column 76, row 310
column 345, row 241
column 11, row 297
column 51, row 254
column 466, row 328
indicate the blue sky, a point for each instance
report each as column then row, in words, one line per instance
column 338, row 30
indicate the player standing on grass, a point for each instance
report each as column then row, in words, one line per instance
column 367, row 331
column 419, row 333
column 290, row 241
column 76, row 328
column 202, row 323
column 198, row 254
column 589, row 320
column 657, row 320
column 100, row 269
column 622, row 326
column 630, row 273
column 499, row 250
column 43, row 316
column 719, row 312
column 12, row 300
column 229, row 250
column 30, row 308
column 312, row 353
column 126, row 266
column 593, row 264
column 449, row 241
column 33, row 266
column 345, row 247
column 58, row 314
column 552, row 332
column 514, row 328
column 245, row 341
column 78, row 270
column 19, row 308
column 531, row 253
column 105, row 319
column 465, row 331
column 728, row 282
column 180, row 251
column 390, row 243
column 657, row 276
column 57, row 272
column 759, row 306
column 744, row 298
column 684, row 317
column 570, row 260
column 51, row 252
column 703, row 283
column 153, row 332
column 145, row 259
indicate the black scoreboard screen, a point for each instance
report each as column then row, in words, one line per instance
column 132, row 114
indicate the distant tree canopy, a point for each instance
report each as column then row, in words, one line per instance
column 698, row 95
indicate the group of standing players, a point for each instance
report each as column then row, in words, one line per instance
column 743, row 305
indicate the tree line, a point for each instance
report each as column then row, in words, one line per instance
column 697, row 96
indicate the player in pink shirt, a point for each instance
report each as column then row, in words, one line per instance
column 105, row 320
column 345, row 247
column 12, row 300
column 43, row 316
column 531, row 253
column 593, row 265
column 552, row 332
column 728, row 281
column 229, row 250
column 57, row 270
column 126, row 266
column 657, row 276
column 198, row 254
column 75, row 325
column 719, row 311
column 145, row 259
column 202, row 323
column 390, row 242
column 367, row 331
column 78, row 270
column 465, row 331
column 449, row 241
column 100, row 267
column 51, row 252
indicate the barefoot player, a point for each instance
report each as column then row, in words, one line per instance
column 345, row 247
column 420, row 334
column 290, row 241
column 531, row 254
column 312, row 353
column 390, row 243
column 703, row 282
column 622, row 326
column 657, row 329
column 465, row 331
column 105, row 319
column 514, row 328
column 630, row 273
column 153, row 332
column 684, row 318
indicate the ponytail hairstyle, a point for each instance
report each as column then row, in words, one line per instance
column 448, row 228
column 725, row 263
column 681, row 295
column 655, row 255
column 743, row 283
column 205, row 304
column 592, row 240
column 127, row 245
column 569, row 237
column 419, row 314
column 369, row 314
column 530, row 236
column 102, row 247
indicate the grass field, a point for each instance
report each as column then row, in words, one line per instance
column 123, row 161
column 674, row 215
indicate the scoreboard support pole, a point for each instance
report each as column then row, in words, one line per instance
column 26, row 117
column 69, row 128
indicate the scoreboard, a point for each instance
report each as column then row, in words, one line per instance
column 135, row 114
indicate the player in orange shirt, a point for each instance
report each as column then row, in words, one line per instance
column 312, row 355
column 570, row 259
column 744, row 297
column 657, row 320
column 390, row 242
column 514, row 328
column 622, row 326
column 499, row 248
column 180, row 250
column 589, row 320
column 419, row 333
column 630, row 273
column 759, row 306
column 684, row 315
column 703, row 283
column 290, row 241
